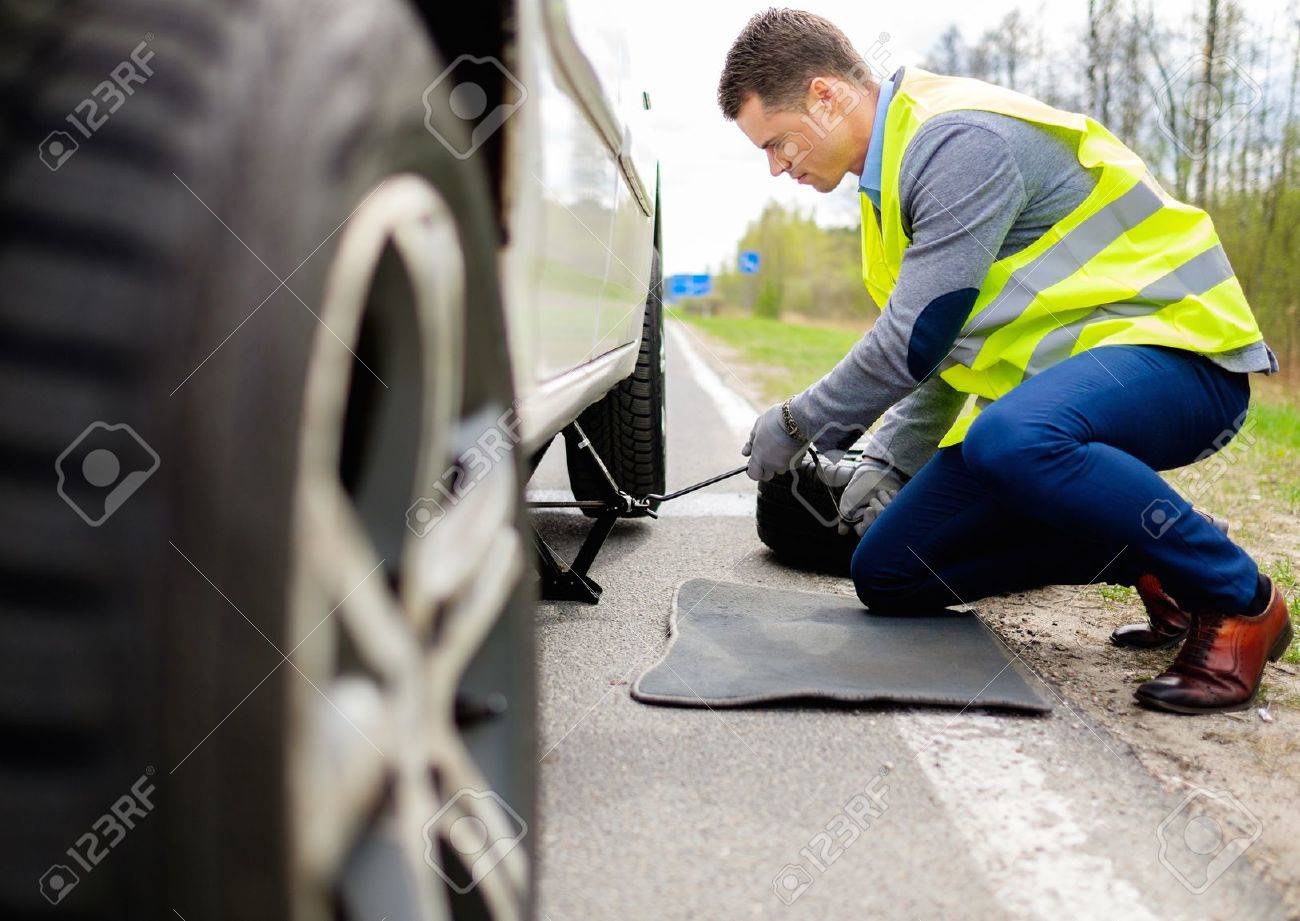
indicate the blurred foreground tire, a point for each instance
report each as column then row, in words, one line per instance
column 253, row 664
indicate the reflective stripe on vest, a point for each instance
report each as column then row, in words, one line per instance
column 1064, row 259
column 1196, row 276
column 1130, row 265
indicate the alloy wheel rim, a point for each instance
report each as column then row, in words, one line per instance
column 385, row 618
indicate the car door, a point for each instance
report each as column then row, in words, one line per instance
column 598, row 239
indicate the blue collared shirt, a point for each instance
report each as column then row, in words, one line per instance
column 870, row 183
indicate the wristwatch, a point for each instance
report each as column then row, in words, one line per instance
column 791, row 427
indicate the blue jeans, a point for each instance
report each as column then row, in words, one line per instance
column 1056, row 484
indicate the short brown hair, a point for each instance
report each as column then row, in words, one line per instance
column 778, row 53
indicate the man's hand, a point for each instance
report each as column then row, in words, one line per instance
column 770, row 449
column 869, row 487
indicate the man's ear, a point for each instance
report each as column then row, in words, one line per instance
column 820, row 90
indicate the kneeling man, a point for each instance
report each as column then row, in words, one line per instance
column 1054, row 329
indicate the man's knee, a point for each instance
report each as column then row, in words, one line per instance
column 883, row 581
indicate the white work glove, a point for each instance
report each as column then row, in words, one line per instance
column 770, row 448
column 869, row 487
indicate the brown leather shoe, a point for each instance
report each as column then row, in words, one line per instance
column 1166, row 622
column 1222, row 662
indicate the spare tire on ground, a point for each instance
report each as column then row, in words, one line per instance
column 797, row 517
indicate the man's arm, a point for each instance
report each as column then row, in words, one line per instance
column 962, row 189
column 907, row 437
column 910, row 430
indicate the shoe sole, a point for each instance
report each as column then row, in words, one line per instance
column 1153, row 704
column 1172, row 641
column 1280, row 646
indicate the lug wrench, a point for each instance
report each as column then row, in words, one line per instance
column 664, row 497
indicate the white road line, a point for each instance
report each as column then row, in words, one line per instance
column 734, row 408
column 1023, row 835
column 692, row 505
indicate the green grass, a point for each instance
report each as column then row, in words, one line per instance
column 788, row 357
column 1274, row 427
column 1289, row 495
column 1280, row 571
column 1117, row 594
column 1292, row 655
column 1284, row 577
column 1277, row 424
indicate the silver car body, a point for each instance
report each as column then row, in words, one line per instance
column 580, row 200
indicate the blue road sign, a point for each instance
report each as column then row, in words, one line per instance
column 750, row 261
column 689, row 286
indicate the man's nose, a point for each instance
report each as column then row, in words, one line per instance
column 774, row 165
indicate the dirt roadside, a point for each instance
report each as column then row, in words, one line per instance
column 1062, row 634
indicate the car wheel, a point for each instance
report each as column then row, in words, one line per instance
column 628, row 426
column 796, row 518
column 267, row 645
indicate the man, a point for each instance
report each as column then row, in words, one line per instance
column 1052, row 322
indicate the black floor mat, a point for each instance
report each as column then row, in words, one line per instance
column 734, row 645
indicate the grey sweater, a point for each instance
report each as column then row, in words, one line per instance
column 974, row 187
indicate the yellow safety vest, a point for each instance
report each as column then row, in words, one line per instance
column 1130, row 265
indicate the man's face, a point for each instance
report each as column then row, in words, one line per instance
column 816, row 145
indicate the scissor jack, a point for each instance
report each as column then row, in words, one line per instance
column 563, row 581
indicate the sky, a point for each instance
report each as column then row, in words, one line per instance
column 713, row 180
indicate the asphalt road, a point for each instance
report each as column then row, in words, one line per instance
column 650, row 812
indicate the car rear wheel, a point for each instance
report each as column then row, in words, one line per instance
column 294, row 629
column 628, row 426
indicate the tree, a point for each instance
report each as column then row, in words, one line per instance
column 948, row 56
column 1204, row 100
column 1100, row 48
